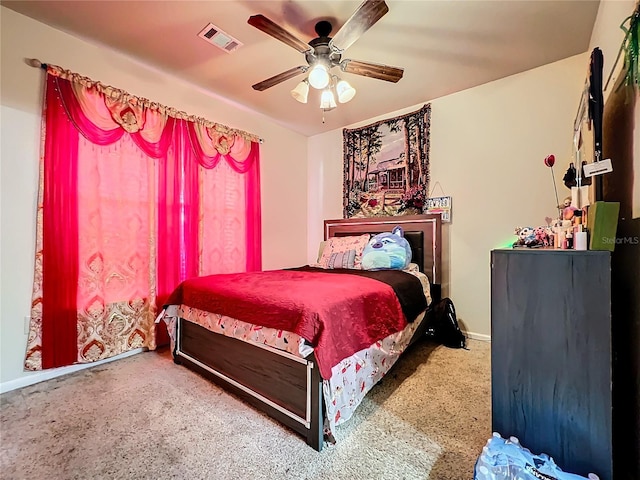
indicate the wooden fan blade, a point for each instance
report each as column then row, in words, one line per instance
column 281, row 77
column 373, row 70
column 368, row 13
column 276, row 31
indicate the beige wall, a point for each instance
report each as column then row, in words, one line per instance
column 487, row 149
column 283, row 159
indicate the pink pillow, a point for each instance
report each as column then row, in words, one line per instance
column 344, row 252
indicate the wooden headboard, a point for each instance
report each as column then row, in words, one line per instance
column 423, row 232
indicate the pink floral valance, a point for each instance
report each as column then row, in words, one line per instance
column 103, row 114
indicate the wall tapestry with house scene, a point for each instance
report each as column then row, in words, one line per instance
column 386, row 166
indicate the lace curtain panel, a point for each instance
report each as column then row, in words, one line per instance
column 134, row 198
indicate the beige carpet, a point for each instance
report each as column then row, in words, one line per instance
column 144, row 417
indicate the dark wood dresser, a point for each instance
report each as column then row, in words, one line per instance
column 551, row 355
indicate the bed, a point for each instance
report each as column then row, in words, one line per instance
column 283, row 378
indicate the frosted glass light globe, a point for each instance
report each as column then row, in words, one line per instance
column 345, row 91
column 301, row 92
column 319, row 76
column 327, row 102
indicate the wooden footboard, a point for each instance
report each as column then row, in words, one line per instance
column 285, row 387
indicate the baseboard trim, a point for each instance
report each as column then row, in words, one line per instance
column 478, row 336
column 41, row 376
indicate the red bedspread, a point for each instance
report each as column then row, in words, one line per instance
column 338, row 314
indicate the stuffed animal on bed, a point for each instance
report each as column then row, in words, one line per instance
column 387, row 250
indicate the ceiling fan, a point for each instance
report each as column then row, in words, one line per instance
column 324, row 52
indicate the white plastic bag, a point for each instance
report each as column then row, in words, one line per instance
column 506, row 459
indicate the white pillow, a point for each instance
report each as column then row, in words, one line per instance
column 343, row 252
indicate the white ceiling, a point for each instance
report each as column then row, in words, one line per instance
column 444, row 46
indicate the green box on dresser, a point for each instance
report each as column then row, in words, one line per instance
column 602, row 223
column 551, row 355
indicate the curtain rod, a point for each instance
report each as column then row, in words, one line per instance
column 34, row 62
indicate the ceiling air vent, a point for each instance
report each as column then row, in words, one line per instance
column 220, row 39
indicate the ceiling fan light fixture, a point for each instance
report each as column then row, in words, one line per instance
column 327, row 100
column 319, row 76
column 345, row 91
column 301, row 92
column 324, row 52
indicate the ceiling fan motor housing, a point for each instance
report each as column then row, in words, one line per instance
column 322, row 50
